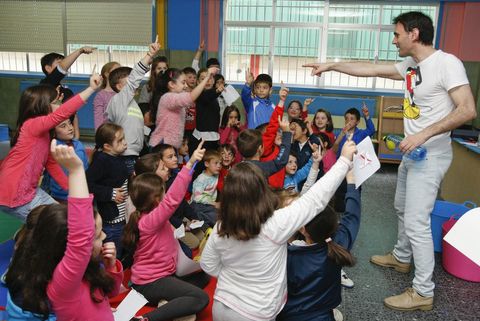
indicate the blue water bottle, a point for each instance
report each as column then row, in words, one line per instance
column 393, row 141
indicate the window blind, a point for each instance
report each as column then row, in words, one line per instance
column 114, row 22
column 31, row 26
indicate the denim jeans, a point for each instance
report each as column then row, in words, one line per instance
column 21, row 212
column 418, row 183
column 114, row 234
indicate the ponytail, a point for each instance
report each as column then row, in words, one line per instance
column 340, row 255
column 145, row 191
column 130, row 237
column 321, row 229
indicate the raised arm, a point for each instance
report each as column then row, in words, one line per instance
column 465, row 110
column 68, row 274
column 286, row 221
column 360, row 69
column 174, row 196
column 195, row 93
column 198, row 55
column 68, row 61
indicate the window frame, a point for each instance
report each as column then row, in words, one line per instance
column 325, row 26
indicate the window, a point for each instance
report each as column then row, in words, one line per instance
column 279, row 36
column 120, row 29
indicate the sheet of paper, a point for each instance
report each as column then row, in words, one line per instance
column 185, row 265
column 179, row 232
column 464, row 235
column 365, row 162
column 146, row 131
column 230, row 95
column 196, row 224
column 127, row 309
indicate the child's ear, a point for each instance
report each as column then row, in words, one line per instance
column 270, row 92
column 170, row 84
column 260, row 150
column 106, row 146
column 48, row 69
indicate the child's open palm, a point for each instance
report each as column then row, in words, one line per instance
column 365, row 111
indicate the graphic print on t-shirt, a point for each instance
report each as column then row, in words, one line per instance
column 413, row 78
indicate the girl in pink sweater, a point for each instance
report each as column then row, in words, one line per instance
column 150, row 235
column 61, row 265
column 21, row 169
column 169, row 105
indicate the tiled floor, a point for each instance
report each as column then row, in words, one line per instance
column 455, row 299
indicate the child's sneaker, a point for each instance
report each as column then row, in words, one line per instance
column 346, row 281
column 337, row 315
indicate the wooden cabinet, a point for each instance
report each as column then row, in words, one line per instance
column 390, row 121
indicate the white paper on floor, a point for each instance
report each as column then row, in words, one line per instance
column 127, row 309
column 465, row 236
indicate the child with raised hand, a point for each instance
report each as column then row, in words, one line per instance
column 62, row 267
column 102, row 98
column 154, row 261
column 295, row 175
column 295, row 110
column 20, row 171
column 107, row 179
column 153, row 163
column 229, row 129
column 322, row 123
column 169, row 105
column 124, row 110
column 64, row 134
column 247, row 250
column 256, row 101
column 314, row 265
column 55, row 67
column 207, row 112
column 159, row 65
column 352, row 119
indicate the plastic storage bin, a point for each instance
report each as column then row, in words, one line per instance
column 442, row 211
column 454, row 262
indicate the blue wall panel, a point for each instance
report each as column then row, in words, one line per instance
column 183, row 31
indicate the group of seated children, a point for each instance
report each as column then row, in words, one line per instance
column 251, row 200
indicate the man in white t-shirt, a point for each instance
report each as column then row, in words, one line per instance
column 438, row 99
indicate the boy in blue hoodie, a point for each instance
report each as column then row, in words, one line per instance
column 257, row 102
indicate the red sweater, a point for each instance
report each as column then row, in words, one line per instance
column 21, row 169
column 270, row 150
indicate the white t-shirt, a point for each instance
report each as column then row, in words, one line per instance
column 435, row 76
column 251, row 274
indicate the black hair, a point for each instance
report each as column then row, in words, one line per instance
column 354, row 112
column 419, row 20
column 264, row 79
column 212, row 61
column 322, row 229
column 49, row 59
column 189, row 70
